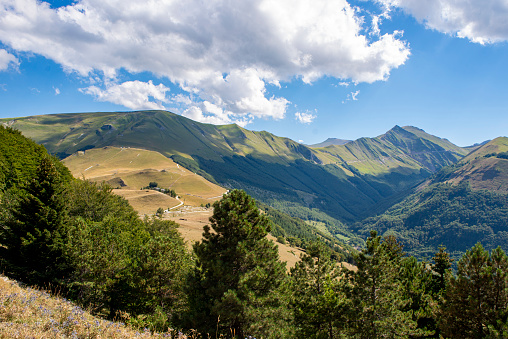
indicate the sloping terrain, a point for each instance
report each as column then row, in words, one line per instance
column 459, row 206
column 484, row 169
column 334, row 184
column 32, row 313
column 131, row 169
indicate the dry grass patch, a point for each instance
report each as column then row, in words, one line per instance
column 147, row 201
column 132, row 169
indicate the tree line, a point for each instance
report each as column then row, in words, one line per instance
column 78, row 238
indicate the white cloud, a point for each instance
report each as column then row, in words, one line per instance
column 352, row 96
column 7, row 60
column 131, row 94
column 479, row 21
column 217, row 51
column 305, row 118
column 57, row 90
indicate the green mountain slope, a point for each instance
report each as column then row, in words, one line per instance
column 329, row 184
column 459, row 206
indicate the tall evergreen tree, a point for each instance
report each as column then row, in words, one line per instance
column 236, row 286
column 317, row 298
column 34, row 227
column 476, row 300
column 378, row 304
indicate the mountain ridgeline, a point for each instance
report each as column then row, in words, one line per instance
column 335, row 184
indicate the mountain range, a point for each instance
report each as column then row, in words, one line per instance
column 336, row 183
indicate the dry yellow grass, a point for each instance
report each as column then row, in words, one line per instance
column 31, row 313
column 147, row 201
column 132, row 169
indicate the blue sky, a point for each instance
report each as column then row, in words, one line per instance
column 307, row 70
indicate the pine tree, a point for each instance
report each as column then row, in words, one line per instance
column 378, row 304
column 317, row 298
column 236, row 286
column 34, row 227
column 476, row 300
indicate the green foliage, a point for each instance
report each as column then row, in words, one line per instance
column 34, row 225
column 19, row 158
column 122, row 264
column 160, row 275
column 317, row 299
column 443, row 214
column 378, row 306
column 79, row 238
column 153, row 184
column 95, row 201
column 237, row 281
column 300, row 234
column 476, row 300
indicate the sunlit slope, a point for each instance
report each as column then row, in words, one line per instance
column 401, row 149
column 457, row 207
column 130, row 169
column 485, row 168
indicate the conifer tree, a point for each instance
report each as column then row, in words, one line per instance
column 34, row 227
column 235, row 289
column 442, row 264
column 317, row 298
column 378, row 304
column 476, row 300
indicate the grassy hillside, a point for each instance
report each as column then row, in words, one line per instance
column 343, row 183
column 130, row 169
column 486, row 168
column 443, row 214
column 32, row 313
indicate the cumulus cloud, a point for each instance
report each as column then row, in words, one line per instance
column 7, row 59
column 305, row 118
column 131, row 94
column 217, row 51
column 479, row 21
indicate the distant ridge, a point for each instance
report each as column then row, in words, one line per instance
column 330, row 141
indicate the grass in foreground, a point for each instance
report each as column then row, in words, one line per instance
column 32, row 313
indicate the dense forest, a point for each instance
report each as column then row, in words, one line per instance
column 78, row 238
column 442, row 213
